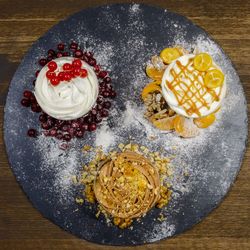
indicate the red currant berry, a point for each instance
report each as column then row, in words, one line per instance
column 67, row 76
column 60, row 46
column 50, row 74
column 52, row 66
column 42, row 61
column 67, row 66
column 104, row 113
column 77, row 72
column 61, row 76
column 84, row 73
column 55, row 80
column 37, row 73
column 77, row 63
column 107, row 79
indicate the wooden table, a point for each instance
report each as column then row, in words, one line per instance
column 23, row 227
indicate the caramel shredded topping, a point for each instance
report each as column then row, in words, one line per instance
column 128, row 186
column 190, row 96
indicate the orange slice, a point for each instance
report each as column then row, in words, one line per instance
column 165, row 123
column 154, row 73
column 202, row 62
column 170, row 54
column 214, row 78
column 150, row 88
column 204, row 122
column 185, row 127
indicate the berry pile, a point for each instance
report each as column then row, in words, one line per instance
column 69, row 71
column 66, row 130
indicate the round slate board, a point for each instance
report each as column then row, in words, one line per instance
column 123, row 38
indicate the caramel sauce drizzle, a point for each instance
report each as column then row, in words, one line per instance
column 193, row 94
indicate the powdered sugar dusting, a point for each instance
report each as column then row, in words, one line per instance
column 124, row 39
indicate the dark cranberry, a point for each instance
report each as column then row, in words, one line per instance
column 46, row 125
column 99, row 100
column 37, row 73
column 107, row 79
column 85, row 127
column 65, row 53
column 33, row 99
column 27, row 94
column 88, row 119
column 105, row 94
column 97, row 68
column 98, row 119
column 92, row 62
column 79, row 134
column 102, row 74
column 60, row 123
column 46, row 132
column 42, row 61
column 75, row 124
column 25, row 102
column 85, row 58
column 53, row 132
column 59, row 136
column 50, row 58
column 35, row 108
column 107, row 105
column 67, row 137
column 71, row 131
column 113, row 94
column 32, row 132
column 51, row 52
column 92, row 127
column 60, row 46
column 104, row 113
column 65, row 128
column 88, row 54
column 78, row 53
column 108, row 87
column 102, row 84
column 34, row 82
column 43, row 118
column 51, row 121
column 59, row 54
column 99, row 107
column 93, row 111
column 73, row 45
column 80, row 120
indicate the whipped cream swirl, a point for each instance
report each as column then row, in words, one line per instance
column 67, row 100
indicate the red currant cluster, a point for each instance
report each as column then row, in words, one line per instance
column 66, row 130
column 69, row 71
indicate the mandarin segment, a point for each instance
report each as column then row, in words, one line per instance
column 202, row 62
column 185, row 127
column 214, row 78
column 154, row 73
column 165, row 123
column 150, row 88
column 206, row 121
column 170, row 54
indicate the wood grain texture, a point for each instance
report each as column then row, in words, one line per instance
column 23, row 227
